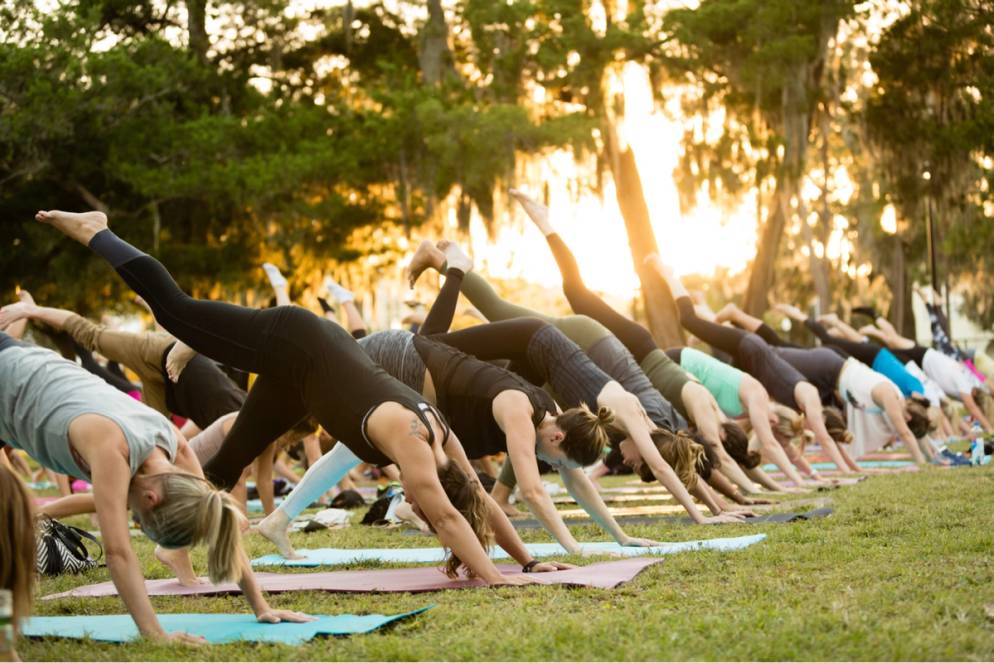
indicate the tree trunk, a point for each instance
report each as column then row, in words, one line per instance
column 197, row 28
column 902, row 314
column 818, row 266
column 660, row 308
column 761, row 277
column 434, row 55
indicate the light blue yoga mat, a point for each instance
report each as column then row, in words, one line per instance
column 255, row 506
column 217, row 629
column 335, row 556
column 870, row 464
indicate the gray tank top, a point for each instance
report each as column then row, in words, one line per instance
column 394, row 351
column 41, row 394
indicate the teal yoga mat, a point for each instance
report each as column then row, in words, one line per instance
column 217, row 629
column 335, row 556
column 869, row 464
column 255, row 506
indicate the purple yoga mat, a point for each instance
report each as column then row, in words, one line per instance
column 603, row 575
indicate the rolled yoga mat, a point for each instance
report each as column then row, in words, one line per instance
column 602, row 575
column 336, row 556
column 217, row 629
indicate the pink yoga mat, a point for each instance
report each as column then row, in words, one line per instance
column 603, row 575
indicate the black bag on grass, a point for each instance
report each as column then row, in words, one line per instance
column 62, row 548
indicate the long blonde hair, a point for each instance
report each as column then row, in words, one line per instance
column 789, row 426
column 194, row 511
column 17, row 543
column 680, row 452
column 466, row 495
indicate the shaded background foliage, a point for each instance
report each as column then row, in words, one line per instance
column 219, row 134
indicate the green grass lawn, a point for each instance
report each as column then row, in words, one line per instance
column 902, row 570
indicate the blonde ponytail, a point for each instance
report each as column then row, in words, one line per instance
column 192, row 511
column 586, row 434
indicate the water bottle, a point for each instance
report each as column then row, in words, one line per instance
column 6, row 625
column 977, row 446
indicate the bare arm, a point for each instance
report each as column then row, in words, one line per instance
column 71, row 505
column 512, row 413
column 111, row 477
column 765, row 480
column 976, row 412
column 888, row 399
column 707, row 417
column 586, row 495
column 420, row 478
column 756, row 400
column 504, row 533
column 810, row 403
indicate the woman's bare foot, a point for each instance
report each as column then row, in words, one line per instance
column 536, row 211
column 79, row 226
column 178, row 561
column 727, row 313
column 455, row 256
column 427, row 255
column 274, row 527
column 177, row 359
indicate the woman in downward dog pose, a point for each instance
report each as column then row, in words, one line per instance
column 672, row 381
column 876, row 410
column 301, row 360
column 742, row 396
column 493, row 410
column 72, row 422
column 782, row 381
column 544, row 355
column 197, row 390
column 954, row 378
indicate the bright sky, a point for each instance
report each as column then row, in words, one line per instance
column 697, row 243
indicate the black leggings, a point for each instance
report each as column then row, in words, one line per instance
column 864, row 352
column 915, row 353
column 300, row 358
column 765, row 332
column 538, row 351
column 749, row 352
column 636, row 338
column 722, row 337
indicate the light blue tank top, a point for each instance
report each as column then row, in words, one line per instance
column 41, row 394
column 722, row 380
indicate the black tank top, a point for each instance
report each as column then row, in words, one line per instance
column 465, row 388
column 819, row 366
column 339, row 383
